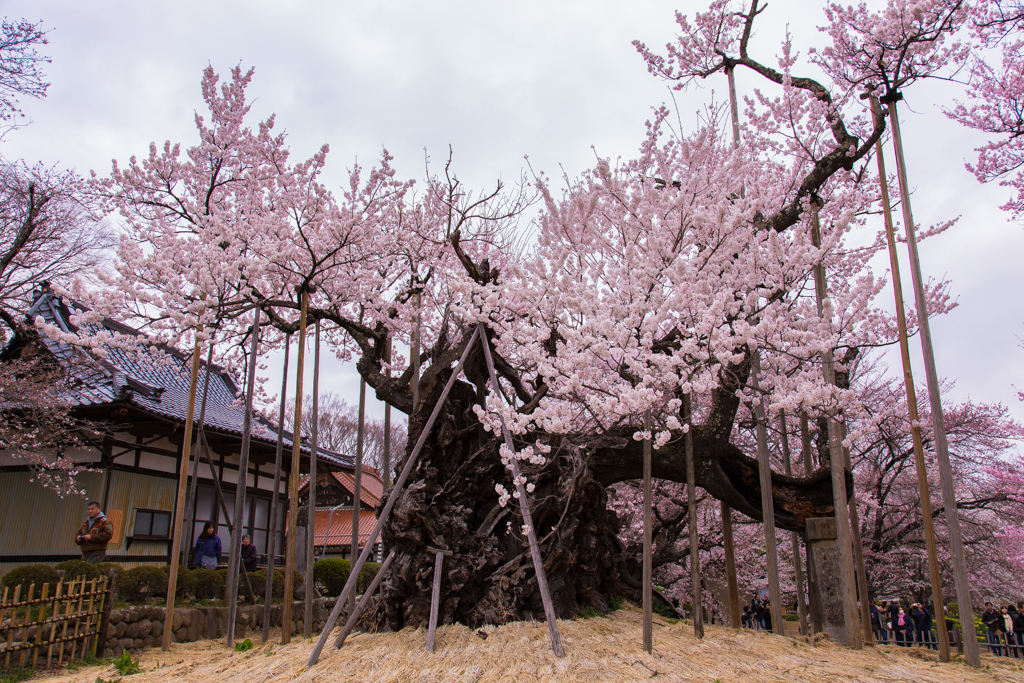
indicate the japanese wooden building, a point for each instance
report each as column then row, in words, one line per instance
column 142, row 397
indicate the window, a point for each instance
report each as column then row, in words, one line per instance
column 152, row 524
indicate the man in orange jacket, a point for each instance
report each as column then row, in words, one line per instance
column 94, row 534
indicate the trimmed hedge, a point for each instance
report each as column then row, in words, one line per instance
column 209, row 584
column 330, row 575
column 186, row 583
column 28, row 574
column 139, row 583
column 366, row 575
column 74, row 569
column 104, row 568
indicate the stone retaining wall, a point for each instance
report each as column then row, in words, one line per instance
column 133, row 628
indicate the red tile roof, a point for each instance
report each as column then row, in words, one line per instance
column 340, row 532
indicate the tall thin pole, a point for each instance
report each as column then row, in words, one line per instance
column 307, row 619
column 357, row 487
column 956, row 543
column 847, row 573
column 801, row 607
column 648, row 542
column 179, row 502
column 691, row 504
column 243, row 472
column 293, row 480
column 275, row 526
column 415, row 353
column 189, row 521
column 396, row 490
column 524, row 509
column 386, row 465
column 727, row 539
column 813, row 602
column 858, row 548
column 767, row 496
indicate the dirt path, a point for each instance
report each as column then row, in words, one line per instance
column 599, row 649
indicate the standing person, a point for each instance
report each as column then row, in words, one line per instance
column 208, row 547
column 745, row 617
column 1018, row 630
column 903, row 628
column 923, row 626
column 991, row 618
column 94, row 534
column 883, row 623
column 1009, row 636
column 876, row 622
column 894, row 610
column 248, row 554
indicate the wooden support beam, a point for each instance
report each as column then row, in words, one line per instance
column 179, row 503
column 275, row 504
column 357, row 479
column 396, row 490
column 524, row 509
column 293, row 481
column 234, row 559
column 767, row 497
column 801, row 606
column 367, row 596
column 435, row 595
column 307, row 618
column 189, row 521
column 691, row 504
column 648, row 583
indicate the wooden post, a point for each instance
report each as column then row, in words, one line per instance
column 243, row 471
column 414, row 352
column 524, row 508
column 730, row 567
column 801, row 608
column 293, row 483
column 847, row 573
column 351, row 622
column 386, row 465
column 179, row 503
column 435, row 595
column 648, row 587
column 357, row 485
column 817, row 621
column 272, row 535
column 410, row 462
column 956, row 545
column 691, row 503
column 858, row 549
column 189, row 519
column 767, row 496
column 307, row 618
column 105, row 616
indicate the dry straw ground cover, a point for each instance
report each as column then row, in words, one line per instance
column 598, row 649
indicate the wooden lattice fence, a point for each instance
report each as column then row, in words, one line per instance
column 56, row 622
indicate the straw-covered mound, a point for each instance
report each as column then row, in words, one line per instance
column 598, row 649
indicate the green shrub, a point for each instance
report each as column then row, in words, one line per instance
column 125, row 665
column 104, row 568
column 366, row 575
column 615, row 603
column 588, row 612
column 28, row 574
column 209, row 584
column 244, row 646
column 664, row 610
column 76, row 569
column 146, row 581
column 185, row 584
column 330, row 575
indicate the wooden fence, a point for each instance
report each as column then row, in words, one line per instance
column 68, row 620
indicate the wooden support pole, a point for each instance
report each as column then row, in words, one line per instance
column 275, row 504
column 847, row 572
column 234, row 559
column 386, row 465
column 691, row 503
column 956, row 545
column 767, row 496
column 189, row 520
column 435, row 595
column 396, row 490
column 367, row 596
column 357, row 480
column 179, row 503
column 923, row 489
column 730, row 567
column 648, row 583
column 307, row 618
column 858, row 549
column 817, row 620
column 293, row 480
column 524, row 509
column 801, row 606
column 414, row 352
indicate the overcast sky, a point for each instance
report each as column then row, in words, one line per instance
column 555, row 81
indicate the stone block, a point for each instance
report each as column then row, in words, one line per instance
column 181, row 635
column 210, row 629
column 177, row 619
column 119, row 629
column 186, row 617
column 133, row 630
column 111, row 631
column 125, row 643
column 157, row 629
column 821, row 529
column 194, row 631
column 150, row 641
column 116, row 616
column 145, row 628
column 137, row 643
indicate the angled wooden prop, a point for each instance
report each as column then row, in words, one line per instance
column 396, row 490
column 275, row 501
column 524, row 507
column 767, row 498
column 435, row 595
column 307, row 614
column 367, row 596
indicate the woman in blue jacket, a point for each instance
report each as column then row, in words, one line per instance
column 208, row 547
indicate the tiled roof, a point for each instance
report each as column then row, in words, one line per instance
column 371, row 487
column 339, row 531
column 157, row 383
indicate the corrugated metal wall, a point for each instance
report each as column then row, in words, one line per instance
column 129, row 491
column 36, row 521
